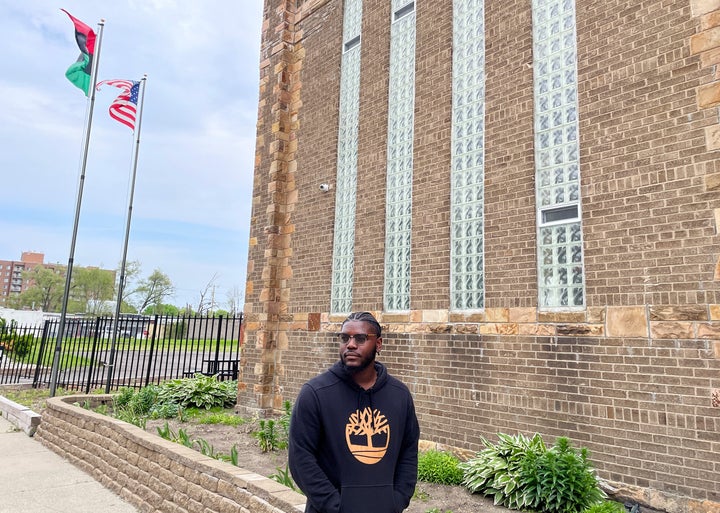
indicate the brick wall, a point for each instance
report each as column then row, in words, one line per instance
column 155, row 474
column 635, row 376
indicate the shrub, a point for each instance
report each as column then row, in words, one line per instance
column 439, row 467
column 606, row 507
column 273, row 435
column 200, row 391
column 22, row 345
column 268, row 437
column 521, row 473
column 123, row 397
column 559, row 480
column 493, row 472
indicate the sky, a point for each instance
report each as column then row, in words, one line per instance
column 191, row 206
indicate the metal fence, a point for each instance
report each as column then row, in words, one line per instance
column 145, row 350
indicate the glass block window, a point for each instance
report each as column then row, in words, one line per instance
column 398, row 209
column 557, row 165
column 347, row 151
column 468, row 156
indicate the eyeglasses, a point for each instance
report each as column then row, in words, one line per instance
column 360, row 338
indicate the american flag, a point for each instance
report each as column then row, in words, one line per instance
column 124, row 108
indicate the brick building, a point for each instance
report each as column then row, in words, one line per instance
column 11, row 278
column 527, row 196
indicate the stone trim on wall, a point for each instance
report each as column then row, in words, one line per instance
column 151, row 473
column 706, row 44
column 649, row 321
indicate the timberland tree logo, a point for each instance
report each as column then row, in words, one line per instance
column 367, row 434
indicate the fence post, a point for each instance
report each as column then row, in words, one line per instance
column 92, row 355
column 41, row 353
column 217, row 342
column 152, row 349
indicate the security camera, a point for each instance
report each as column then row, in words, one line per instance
column 324, row 187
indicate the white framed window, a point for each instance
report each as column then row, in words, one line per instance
column 347, row 151
column 398, row 201
column 561, row 282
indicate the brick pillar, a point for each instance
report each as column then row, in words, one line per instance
column 259, row 387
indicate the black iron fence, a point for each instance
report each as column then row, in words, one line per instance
column 133, row 352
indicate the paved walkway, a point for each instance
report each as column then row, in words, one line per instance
column 33, row 479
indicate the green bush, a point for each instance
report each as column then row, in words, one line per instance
column 144, row 400
column 493, row 472
column 136, row 407
column 560, row 480
column 439, row 467
column 200, row 391
column 273, row 435
column 606, row 507
column 23, row 344
column 521, row 473
column 123, row 397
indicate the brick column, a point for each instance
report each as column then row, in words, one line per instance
column 275, row 155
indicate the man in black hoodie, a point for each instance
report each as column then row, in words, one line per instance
column 354, row 434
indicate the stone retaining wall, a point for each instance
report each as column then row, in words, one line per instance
column 154, row 474
column 21, row 416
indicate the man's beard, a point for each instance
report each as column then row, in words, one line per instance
column 364, row 363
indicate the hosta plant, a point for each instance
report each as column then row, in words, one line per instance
column 522, row 473
column 494, row 471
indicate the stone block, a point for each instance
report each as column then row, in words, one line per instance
column 708, row 330
column 712, row 182
column 562, row 317
column 700, row 7
column 497, row 315
column 678, row 313
column 712, row 132
column 434, row 316
column 522, row 314
column 626, row 321
column 20, row 416
column 708, row 95
column 537, row 330
column 671, row 330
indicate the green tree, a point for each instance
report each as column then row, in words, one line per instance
column 93, row 288
column 153, row 290
column 163, row 309
column 132, row 274
column 45, row 292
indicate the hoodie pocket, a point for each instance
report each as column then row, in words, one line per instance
column 368, row 499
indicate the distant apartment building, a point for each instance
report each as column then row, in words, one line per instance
column 11, row 274
column 12, row 281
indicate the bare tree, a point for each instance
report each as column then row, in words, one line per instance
column 206, row 303
column 234, row 298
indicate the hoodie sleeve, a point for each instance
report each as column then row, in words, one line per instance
column 304, row 444
column 406, row 470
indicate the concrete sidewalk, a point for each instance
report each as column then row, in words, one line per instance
column 33, row 479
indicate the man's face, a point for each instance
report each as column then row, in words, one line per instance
column 354, row 355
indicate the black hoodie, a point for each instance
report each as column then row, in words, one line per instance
column 354, row 450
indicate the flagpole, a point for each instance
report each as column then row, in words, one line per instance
column 86, row 143
column 121, row 281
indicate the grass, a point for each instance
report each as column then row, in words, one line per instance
column 216, row 417
column 33, row 398
column 36, row 398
